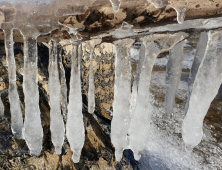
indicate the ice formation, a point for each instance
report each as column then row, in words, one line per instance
column 56, row 119
column 75, row 131
column 33, row 132
column 122, row 91
column 205, row 87
column 173, row 74
column 159, row 3
column 116, row 5
column 201, row 47
column 140, row 123
column 16, row 113
column 91, row 91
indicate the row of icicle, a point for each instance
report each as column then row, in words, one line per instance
column 130, row 124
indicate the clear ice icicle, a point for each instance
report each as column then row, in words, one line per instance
column 33, row 132
column 173, row 74
column 74, row 127
column 122, row 92
column 181, row 10
column 201, row 47
column 56, row 119
column 16, row 113
column 207, row 82
column 140, row 123
column 116, row 5
column 91, row 91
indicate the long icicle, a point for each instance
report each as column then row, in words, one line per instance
column 205, row 88
column 33, row 131
column 122, row 92
column 91, row 91
column 56, row 119
column 201, row 47
column 140, row 123
column 16, row 113
column 75, row 128
column 173, row 74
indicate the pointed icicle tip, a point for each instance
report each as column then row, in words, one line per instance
column 116, row 5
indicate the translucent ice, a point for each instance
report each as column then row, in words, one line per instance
column 181, row 10
column 74, row 127
column 173, row 74
column 33, row 132
column 140, row 123
column 201, row 47
column 56, row 119
column 91, row 91
column 116, row 5
column 159, row 3
column 124, row 31
column 122, row 92
column 16, row 113
column 205, row 87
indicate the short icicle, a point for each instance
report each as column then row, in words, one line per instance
column 201, row 47
column 122, row 92
column 116, row 5
column 56, row 119
column 205, row 88
column 91, row 91
column 16, row 113
column 33, row 131
column 140, row 123
column 75, row 131
column 173, row 74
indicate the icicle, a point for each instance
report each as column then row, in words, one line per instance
column 207, row 82
column 140, row 123
column 91, row 91
column 16, row 113
column 201, row 47
column 173, row 74
column 33, row 132
column 56, row 119
column 122, row 91
column 181, row 10
column 75, row 127
column 63, row 89
column 116, row 5
column 1, row 108
column 159, row 3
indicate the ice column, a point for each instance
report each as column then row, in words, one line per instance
column 33, row 132
column 201, row 47
column 74, row 127
column 173, row 74
column 56, row 119
column 91, row 91
column 16, row 113
column 140, row 123
column 122, row 92
column 207, row 82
